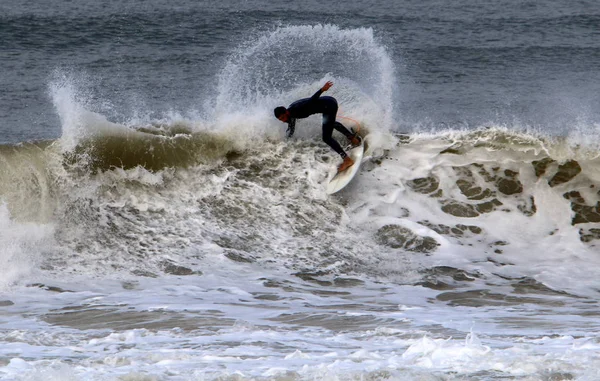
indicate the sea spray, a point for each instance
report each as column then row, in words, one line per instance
column 292, row 62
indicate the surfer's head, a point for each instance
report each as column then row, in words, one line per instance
column 282, row 113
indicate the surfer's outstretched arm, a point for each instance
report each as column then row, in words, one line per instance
column 325, row 87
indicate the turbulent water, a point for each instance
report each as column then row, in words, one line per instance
column 155, row 224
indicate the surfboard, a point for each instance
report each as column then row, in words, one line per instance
column 341, row 179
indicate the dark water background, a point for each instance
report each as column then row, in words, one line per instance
column 458, row 64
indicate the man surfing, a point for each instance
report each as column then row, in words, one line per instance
column 327, row 106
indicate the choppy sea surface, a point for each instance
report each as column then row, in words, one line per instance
column 155, row 224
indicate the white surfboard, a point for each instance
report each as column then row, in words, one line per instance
column 341, row 179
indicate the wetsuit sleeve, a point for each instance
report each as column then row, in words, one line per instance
column 316, row 95
column 291, row 127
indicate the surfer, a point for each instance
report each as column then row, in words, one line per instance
column 327, row 106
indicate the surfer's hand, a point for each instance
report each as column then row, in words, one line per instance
column 326, row 86
column 290, row 132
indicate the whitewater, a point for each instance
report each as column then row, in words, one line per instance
column 201, row 245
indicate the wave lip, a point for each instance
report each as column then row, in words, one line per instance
column 150, row 148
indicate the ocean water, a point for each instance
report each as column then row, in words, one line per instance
column 155, row 224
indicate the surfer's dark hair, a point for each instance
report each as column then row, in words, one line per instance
column 279, row 111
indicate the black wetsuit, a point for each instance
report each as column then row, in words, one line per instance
column 317, row 104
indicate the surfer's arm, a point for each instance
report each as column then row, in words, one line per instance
column 316, row 95
column 325, row 87
column 291, row 127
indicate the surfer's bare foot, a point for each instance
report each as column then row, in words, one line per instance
column 355, row 140
column 347, row 163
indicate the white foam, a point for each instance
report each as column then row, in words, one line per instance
column 266, row 346
column 20, row 247
column 544, row 245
